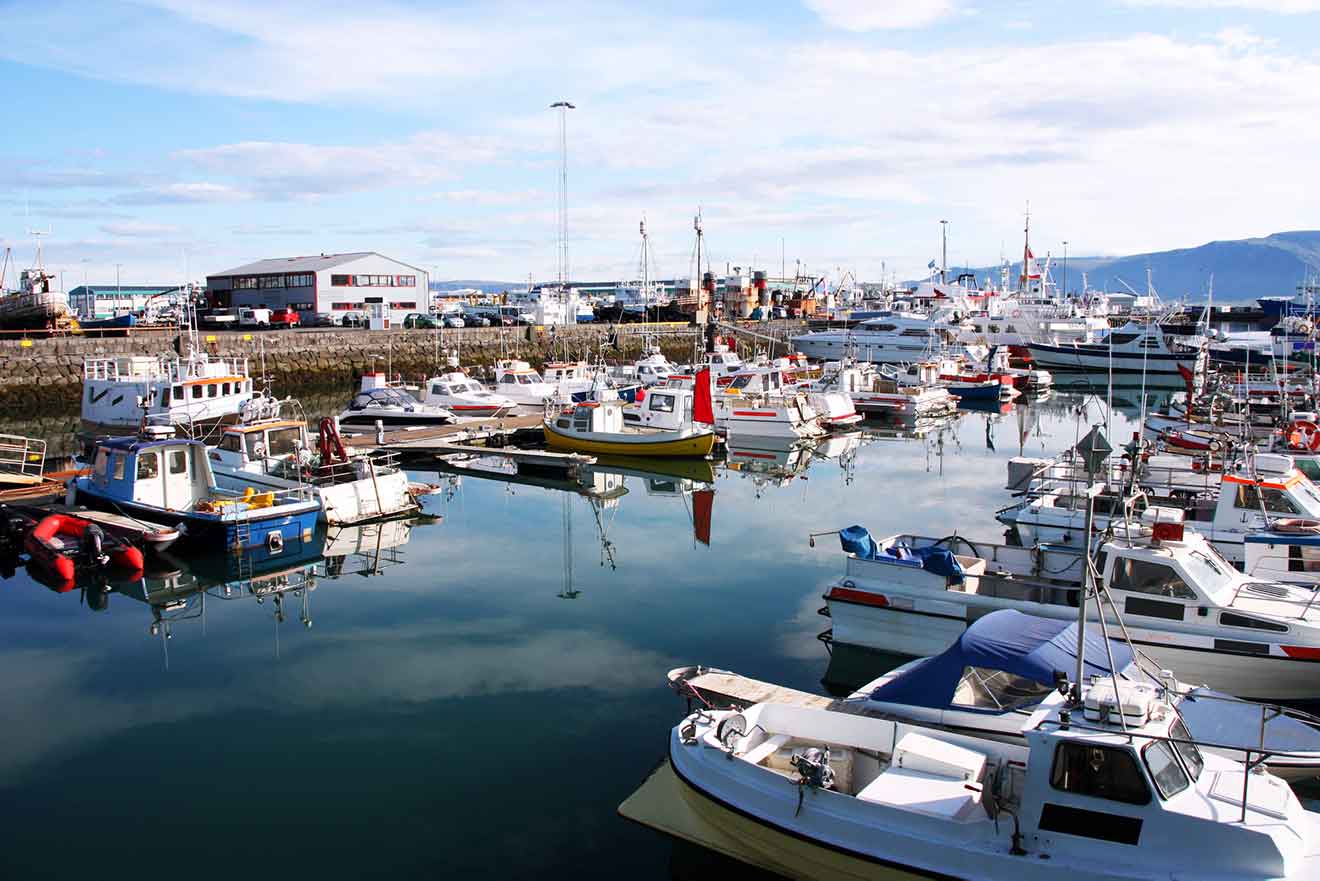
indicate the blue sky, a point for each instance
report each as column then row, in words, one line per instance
column 181, row 137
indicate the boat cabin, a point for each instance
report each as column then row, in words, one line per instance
column 263, row 448
column 121, row 390
column 663, row 407
column 173, row 473
column 453, row 385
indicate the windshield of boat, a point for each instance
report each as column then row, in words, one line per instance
column 1209, row 570
column 383, row 397
column 741, row 381
column 1305, row 491
column 985, row 689
column 1191, row 754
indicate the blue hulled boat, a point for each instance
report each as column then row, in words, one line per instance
column 169, row 480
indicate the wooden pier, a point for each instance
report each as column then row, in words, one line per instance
column 435, row 439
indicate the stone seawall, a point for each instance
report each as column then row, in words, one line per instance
column 46, row 374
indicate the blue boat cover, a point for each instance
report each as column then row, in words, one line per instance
column 1007, row 640
column 935, row 560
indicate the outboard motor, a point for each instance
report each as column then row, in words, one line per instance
column 92, row 546
column 814, row 771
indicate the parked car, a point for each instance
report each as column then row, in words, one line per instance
column 324, row 319
column 253, row 317
column 285, row 318
column 419, row 320
column 452, row 321
column 475, row 319
column 353, row 319
column 221, row 319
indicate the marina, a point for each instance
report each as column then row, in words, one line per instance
column 812, row 441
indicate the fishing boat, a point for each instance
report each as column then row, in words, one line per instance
column 123, row 392
column 1105, row 786
column 598, row 427
column 271, row 452
column 379, row 402
column 463, row 396
column 36, row 305
column 919, row 395
column 1004, row 667
column 1182, row 603
column 169, row 480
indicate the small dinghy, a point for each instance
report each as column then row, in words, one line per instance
column 65, row 545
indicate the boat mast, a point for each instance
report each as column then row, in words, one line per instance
column 944, row 252
column 1026, row 253
column 563, row 107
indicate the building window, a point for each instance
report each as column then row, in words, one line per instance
column 272, row 281
column 345, row 307
column 299, row 280
column 341, row 281
column 404, row 304
column 245, row 283
column 364, row 281
column 405, row 281
column 302, row 307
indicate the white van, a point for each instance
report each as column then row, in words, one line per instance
column 254, row 318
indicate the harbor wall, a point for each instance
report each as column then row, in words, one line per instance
column 45, row 375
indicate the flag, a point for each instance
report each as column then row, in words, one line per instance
column 1029, row 267
column 930, row 265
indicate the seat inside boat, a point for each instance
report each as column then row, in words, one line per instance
column 873, row 760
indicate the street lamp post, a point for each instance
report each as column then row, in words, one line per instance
column 1065, row 267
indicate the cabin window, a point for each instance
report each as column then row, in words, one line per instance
column 1190, row 752
column 662, row 403
column 178, row 461
column 196, row 391
column 1140, row 576
column 1232, row 619
column 1099, row 772
column 224, row 388
column 1122, row 339
column 1275, row 501
column 562, row 423
column 1170, row 779
column 230, row 444
column 1303, row 559
column 102, row 459
column 437, row 390
column 120, row 461
column 148, row 466
column 985, row 689
column 212, row 389
column 282, row 441
column 178, row 393
column 582, row 420
column 1310, row 468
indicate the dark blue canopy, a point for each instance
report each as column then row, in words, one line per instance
column 1007, row 640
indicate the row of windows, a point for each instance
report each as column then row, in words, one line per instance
column 396, row 304
column 373, row 281
column 253, row 282
column 200, row 390
column 148, row 464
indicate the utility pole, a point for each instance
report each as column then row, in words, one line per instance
column 563, row 107
column 1065, row 268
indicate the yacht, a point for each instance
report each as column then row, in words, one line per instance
column 1134, row 348
column 893, row 337
column 379, row 402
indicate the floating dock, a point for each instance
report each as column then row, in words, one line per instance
column 437, row 438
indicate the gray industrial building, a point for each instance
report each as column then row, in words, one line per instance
column 325, row 284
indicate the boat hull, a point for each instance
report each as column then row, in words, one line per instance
column 661, row 443
column 342, row 504
column 1097, row 359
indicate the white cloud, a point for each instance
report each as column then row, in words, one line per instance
column 869, row 15
column 1282, row 7
column 138, row 229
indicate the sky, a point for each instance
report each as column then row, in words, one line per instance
column 168, row 139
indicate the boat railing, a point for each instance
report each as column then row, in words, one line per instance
column 1271, row 591
column 292, row 495
column 360, row 467
column 25, row 456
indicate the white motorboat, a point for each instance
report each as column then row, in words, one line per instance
column 1134, row 348
column 1004, row 668
column 464, row 396
column 517, row 381
column 378, row 402
column 269, row 451
column 1110, row 787
column 893, row 337
column 786, row 414
column 1225, row 507
column 913, row 397
column 834, row 408
column 1182, row 603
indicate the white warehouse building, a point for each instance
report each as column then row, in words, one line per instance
column 326, row 284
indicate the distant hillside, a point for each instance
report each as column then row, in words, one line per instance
column 1243, row 270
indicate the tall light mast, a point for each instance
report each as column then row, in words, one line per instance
column 563, row 107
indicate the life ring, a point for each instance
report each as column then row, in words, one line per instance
column 275, row 542
column 1303, row 434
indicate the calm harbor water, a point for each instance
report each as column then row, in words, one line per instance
column 471, row 696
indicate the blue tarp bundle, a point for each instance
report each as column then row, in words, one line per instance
column 937, row 561
column 1007, row 640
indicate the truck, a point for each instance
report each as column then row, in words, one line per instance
column 253, row 317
